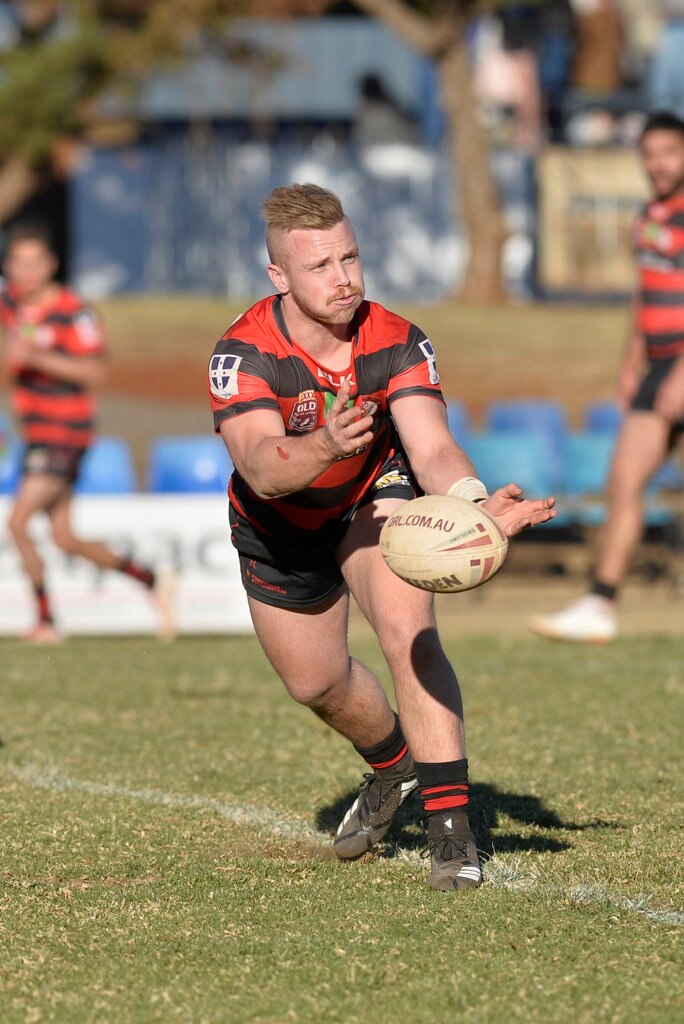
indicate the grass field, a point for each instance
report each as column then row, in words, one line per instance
column 165, row 857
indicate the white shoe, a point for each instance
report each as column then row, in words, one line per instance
column 43, row 633
column 165, row 599
column 591, row 619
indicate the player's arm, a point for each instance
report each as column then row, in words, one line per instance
column 274, row 464
column 87, row 370
column 442, row 467
column 632, row 363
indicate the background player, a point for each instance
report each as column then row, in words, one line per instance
column 650, row 387
column 302, row 387
column 55, row 357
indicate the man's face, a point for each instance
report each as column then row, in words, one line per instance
column 321, row 271
column 662, row 153
column 29, row 267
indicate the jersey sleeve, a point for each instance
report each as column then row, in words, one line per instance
column 240, row 380
column 414, row 368
column 86, row 334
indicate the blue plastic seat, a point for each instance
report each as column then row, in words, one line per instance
column 515, row 456
column 602, row 416
column 547, row 419
column 191, row 464
column 10, row 466
column 459, row 421
column 107, row 468
column 588, row 459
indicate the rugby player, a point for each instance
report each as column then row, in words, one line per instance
column 331, row 410
column 650, row 385
column 55, row 357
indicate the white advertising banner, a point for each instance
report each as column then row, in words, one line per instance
column 188, row 533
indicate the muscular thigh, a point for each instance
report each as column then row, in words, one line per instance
column 308, row 647
column 396, row 611
column 640, row 449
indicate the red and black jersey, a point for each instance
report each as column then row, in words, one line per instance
column 50, row 410
column 659, row 247
column 257, row 365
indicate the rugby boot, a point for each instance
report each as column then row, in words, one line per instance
column 452, row 851
column 367, row 821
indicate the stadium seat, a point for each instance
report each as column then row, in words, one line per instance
column 192, row 464
column 588, row 458
column 602, row 416
column 10, row 465
column 546, row 419
column 107, row 468
column 459, row 422
column 519, row 456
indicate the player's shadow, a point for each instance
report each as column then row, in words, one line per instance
column 488, row 809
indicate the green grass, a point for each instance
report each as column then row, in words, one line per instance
column 162, row 859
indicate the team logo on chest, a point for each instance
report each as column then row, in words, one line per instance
column 223, row 375
column 304, row 415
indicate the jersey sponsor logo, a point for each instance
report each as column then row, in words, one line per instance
column 223, row 375
column 392, row 479
column 429, row 353
column 304, row 415
column 337, row 382
column 87, row 328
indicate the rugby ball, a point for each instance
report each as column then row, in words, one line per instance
column 443, row 543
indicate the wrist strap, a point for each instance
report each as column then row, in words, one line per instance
column 470, row 488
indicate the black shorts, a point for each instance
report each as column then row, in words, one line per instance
column 299, row 578
column 644, row 400
column 54, row 459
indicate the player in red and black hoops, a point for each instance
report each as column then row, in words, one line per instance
column 55, row 357
column 650, row 384
column 331, row 410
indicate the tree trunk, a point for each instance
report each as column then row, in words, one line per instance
column 18, row 181
column 478, row 198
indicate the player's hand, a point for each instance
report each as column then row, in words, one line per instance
column 515, row 513
column 346, row 430
column 627, row 387
column 20, row 354
column 669, row 400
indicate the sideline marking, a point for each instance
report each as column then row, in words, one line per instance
column 499, row 874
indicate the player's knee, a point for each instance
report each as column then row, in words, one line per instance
column 318, row 695
column 65, row 541
column 17, row 527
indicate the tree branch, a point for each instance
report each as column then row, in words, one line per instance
column 426, row 34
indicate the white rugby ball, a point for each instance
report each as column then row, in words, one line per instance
column 443, row 543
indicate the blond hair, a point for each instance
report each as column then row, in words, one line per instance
column 298, row 207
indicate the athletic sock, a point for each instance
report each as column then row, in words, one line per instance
column 444, row 786
column 603, row 589
column 138, row 572
column 43, row 602
column 390, row 753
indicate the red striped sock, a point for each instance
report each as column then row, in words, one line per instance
column 443, row 785
column 138, row 572
column 43, row 602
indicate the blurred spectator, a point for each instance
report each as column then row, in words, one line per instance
column 555, row 55
column 521, row 32
column 596, row 102
column 600, row 38
column 523, row 57
column 666, row 79
column 380, row 119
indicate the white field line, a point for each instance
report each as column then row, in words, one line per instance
column 514, row 874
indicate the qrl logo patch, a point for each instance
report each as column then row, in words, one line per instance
column 223, row 375
column 429, row 353
column 304, row 415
